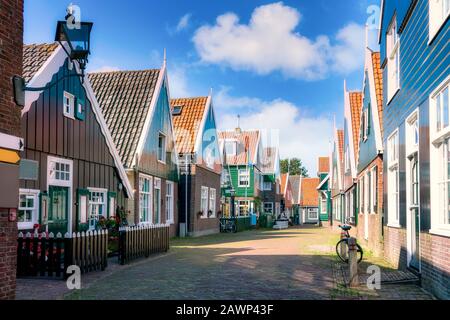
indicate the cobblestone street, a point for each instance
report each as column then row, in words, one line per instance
column 264, row 264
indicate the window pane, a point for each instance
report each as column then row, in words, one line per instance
column 445, row 107
column 438, row 113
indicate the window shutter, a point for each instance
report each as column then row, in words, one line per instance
column 112, row 204
column 80, row 109
column 82, row 208
column 44, row 202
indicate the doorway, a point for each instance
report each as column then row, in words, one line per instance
column 58, row 217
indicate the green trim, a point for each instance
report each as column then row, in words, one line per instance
column 43, row 196
column 80, row 192
column 110, row 195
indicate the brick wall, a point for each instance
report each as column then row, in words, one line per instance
column 11, row 44
column 395, row 246
column 207, row 178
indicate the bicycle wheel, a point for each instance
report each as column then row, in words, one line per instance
column 344, row 255
column 360, row 253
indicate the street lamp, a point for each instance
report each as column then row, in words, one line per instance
column 77, row 35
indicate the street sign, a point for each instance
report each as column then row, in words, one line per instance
column 9, row 156
column 11, row 142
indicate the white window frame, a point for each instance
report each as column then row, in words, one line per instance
column 212, row 202
column 162, row 157
column 438, row 173
column 393, row 59
column 313, row 210
column 267, row 186
column 34, row 194
column 393, row 180
column 373, row 189
column 271, row 207
column 157, row 201
column 149, row 194
column 204, row 199
column 439, row 11
column 170, row 202
column 347, row 160
column 243, row 204
column 234, row 143
column 367, row 193
column 323, row 208
column 71, row 112
column 91, row 203
column 242, row 173
column 52, row 171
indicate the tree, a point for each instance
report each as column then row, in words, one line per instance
column 294, row 166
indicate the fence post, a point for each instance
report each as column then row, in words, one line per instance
column 343, row 246
column 67, row 254
column 35, row 253
column 353, row 262
column 20, row 254
column 42, row 262
column 105, row 249
column 50, row 253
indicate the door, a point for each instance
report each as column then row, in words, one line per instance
column 59, row 210
column 414, row 211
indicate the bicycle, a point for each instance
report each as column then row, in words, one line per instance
column 345, row 253
column 228, row 226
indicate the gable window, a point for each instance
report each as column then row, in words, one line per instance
column 162, row 147
column 393, row 180
column 393, row 64
column 440, row 155
column 157, row 201
column 439, row 10
column 204, row 202
column 97, row 206
column 244, row 178
column 230, row 148
column 28, row 209
column 268, row 207
column 212, row 202
column 169, row 202
column 145, row 199
column 59, row 171
column 68, row 104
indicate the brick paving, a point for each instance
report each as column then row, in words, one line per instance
column 264, row 264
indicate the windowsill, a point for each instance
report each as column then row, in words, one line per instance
column 162, row 162
column 440, row 232
column 69, row 116
column 170, row 222
column 394, row 225
column 25, row 225
column 393, row 96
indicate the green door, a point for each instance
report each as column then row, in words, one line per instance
column 59, row 210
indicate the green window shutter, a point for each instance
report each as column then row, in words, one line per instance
column 80, row 109
column 112, row 204
column 82, row 209
column 44, row 203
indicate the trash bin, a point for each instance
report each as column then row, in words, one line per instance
column 253, row 219
column 296, row 219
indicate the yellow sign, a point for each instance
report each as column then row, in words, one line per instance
column 9, row 156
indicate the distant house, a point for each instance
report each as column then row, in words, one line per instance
column 370, row 158
column 286, row 201
column 200, row 163
column 242, row 153
column 337, row 177
column 271, row 181
column 136, row 107
column 324, row 190
column 295, row 185
column 71, row 174
column 309, row 201
column 414, row 58
column 352, row 118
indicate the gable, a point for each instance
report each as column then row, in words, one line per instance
column 209, row 141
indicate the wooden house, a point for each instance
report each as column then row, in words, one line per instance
column 337, row 177
column 271, row 181
column 309, row 201
column 324, row 190
column 287, row 199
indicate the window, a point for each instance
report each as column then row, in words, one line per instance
column 313, row 214
column 268, row 207
column 28, row 209
column 177, row 110
column 68, row 105
column 244, row 178
column 267, row 186
column 367, row 193
column 157, row 201
column 169, row 202
column 374, row 191
column 97, row 206
column 244, row 207
column 230, row 148
column 323, row 202
column 439, row 10
column 59, row 172
column 393, row 56
column 212, row 202
column 440, row 149
column 204, row 202
column 162, row 148
column 393, row 182
column 145, row 199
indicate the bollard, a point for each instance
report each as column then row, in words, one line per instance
column 353, row 262
column 343, row 246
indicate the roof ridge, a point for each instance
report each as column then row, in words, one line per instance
column 124, row 71
column 190, row 98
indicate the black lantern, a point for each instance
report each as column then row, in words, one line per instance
column 78, row 36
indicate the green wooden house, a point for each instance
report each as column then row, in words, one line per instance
column 324, row 189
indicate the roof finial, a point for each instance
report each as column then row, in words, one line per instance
column 210, row 91
column 165, row 57
column 238, row 128
column 367, row 35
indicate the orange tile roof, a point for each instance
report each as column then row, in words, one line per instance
column 284, row 180
column 241, row 137
column 324, row 165
column 309, row 194
column 341, row 149
column 355, row 109
column 187, row 123
column 378, row 86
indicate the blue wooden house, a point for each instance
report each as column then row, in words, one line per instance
column 337, row 177
column 414, row 43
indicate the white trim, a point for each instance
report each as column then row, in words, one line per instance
column 380, row 26
column 204, row 210
column 172, row 205
column 35, row 217
column 11, row 142
column 439, row 22
column 149, row 220
column 350, row 146
column 201, row 129
column 164, row 156
column 71, row 97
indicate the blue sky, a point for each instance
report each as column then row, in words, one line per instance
column 280, row 65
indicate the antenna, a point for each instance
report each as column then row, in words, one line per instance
column 238, row 120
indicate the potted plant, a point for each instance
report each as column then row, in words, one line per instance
column 210, row 213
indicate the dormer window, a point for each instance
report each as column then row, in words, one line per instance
column 231, row 148
column 177, row 110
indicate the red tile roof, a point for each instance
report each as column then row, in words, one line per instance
column 324, row 165
column 340, row 143
column 187, row 123
column 309, row 194
column 378, row 86
column 355, row 109
column 241, row 137
column 284, row 180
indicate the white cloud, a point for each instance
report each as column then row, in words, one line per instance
column 270, row 43
column 105, row 69
column 303, row 136
column 178, row 82
column 183, row 23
